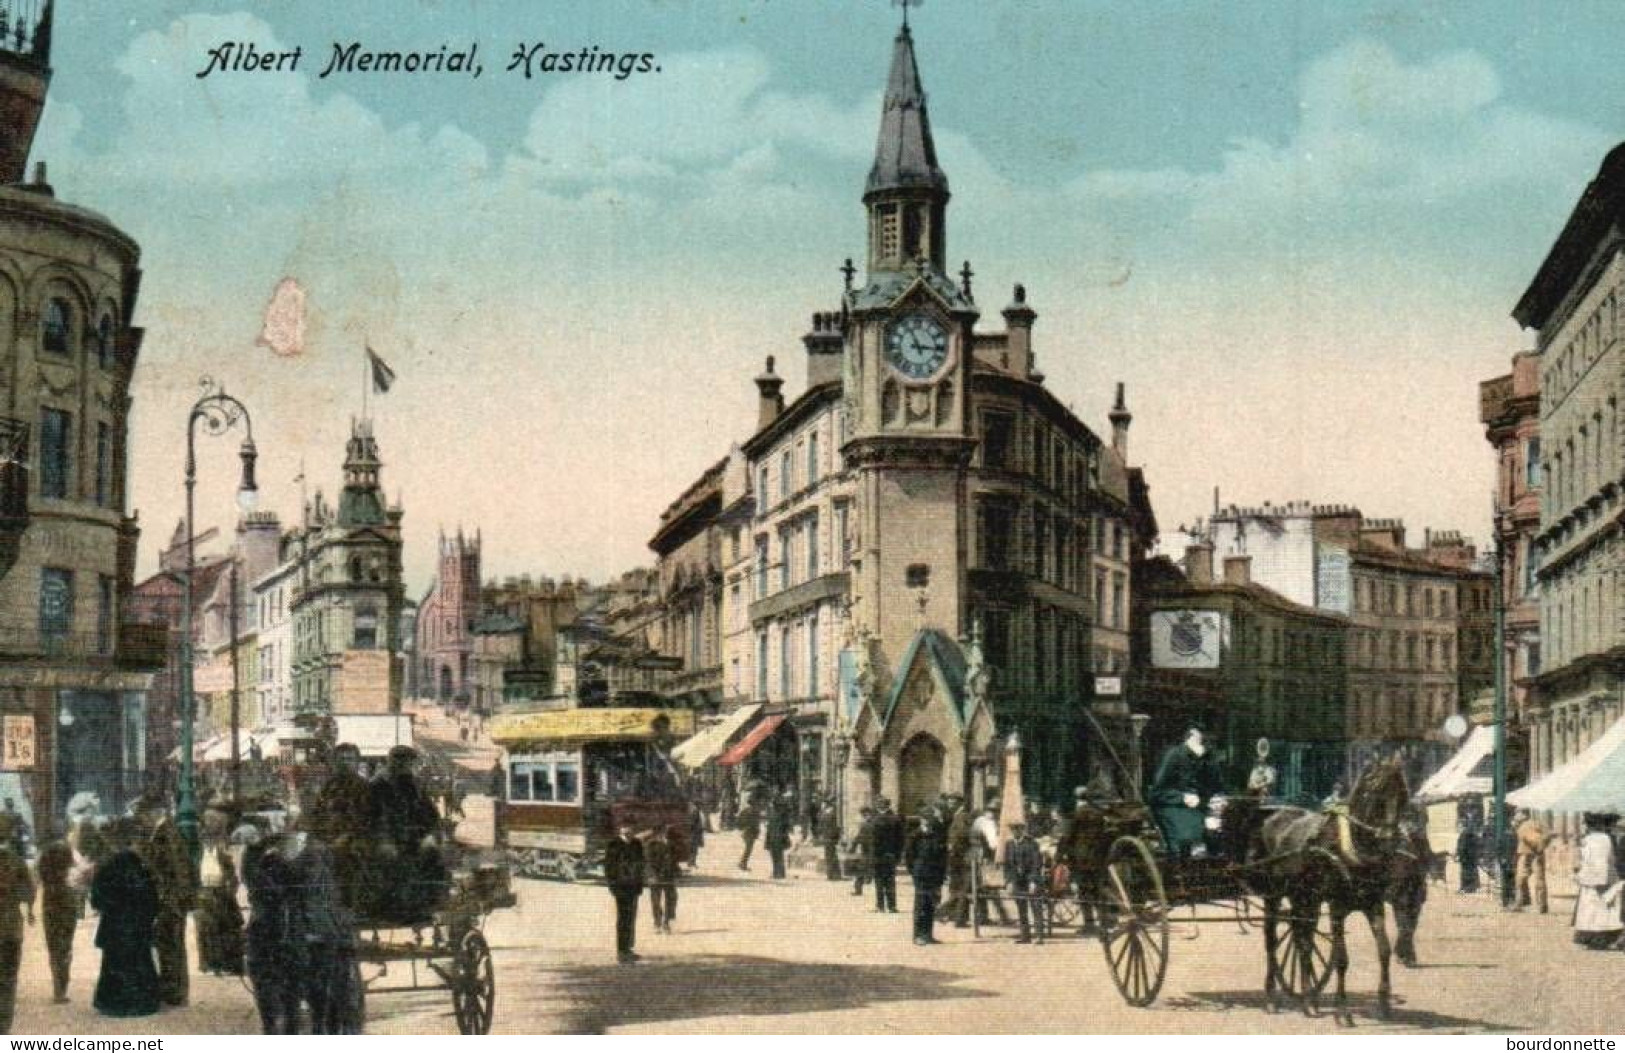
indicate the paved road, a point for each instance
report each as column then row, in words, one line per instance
column 805, row 956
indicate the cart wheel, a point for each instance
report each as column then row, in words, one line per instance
column 1303, row 957
column 473, row 985
column 569, row 868
column 1134, row 930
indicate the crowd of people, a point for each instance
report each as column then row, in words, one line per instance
column 358, row 849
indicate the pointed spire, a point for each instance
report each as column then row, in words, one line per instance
column 905, row 154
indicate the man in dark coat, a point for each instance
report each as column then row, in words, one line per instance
column 1024, row 877
column 777, row 837
column 623, row 871
column 829, row 835
column 175, row 879
column 404, row 821
column 927, row 862
column 1185, row 780
column 863, row 850
column 661, row 869
column 276, row 953
column 959, row 850
column 887, row 851
column 127, row 898
column 16, row 892
column 341, row 819
column 750, row 828
column 59, row 911
column 325, row 925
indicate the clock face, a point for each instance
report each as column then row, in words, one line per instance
column 916, row 346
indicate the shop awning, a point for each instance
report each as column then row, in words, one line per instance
column 697, row 751
column 1593, row 781
column 747, row 745
column 1467, row 773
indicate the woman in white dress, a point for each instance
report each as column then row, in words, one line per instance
column 1597, row 923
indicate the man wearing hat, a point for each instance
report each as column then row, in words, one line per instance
column 1185, row 780
column 887, row 835
column 927, row 860
column 1531, row 862
column 959, row 849
column 404, row 820
column 1024, row 877
column 164, row 852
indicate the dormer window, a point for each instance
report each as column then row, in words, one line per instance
column 58, row 326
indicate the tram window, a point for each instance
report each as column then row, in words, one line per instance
column 545, row 780
column 567, row 782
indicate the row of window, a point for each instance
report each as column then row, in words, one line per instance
column 799, row 554
column 1591, row 338
column 800, row 468
column 1050, row 457
column 798, row 654
column 1407, row 712
column 57, row 605
column 56, row 332
column 1586, row 457
column 1393, row 650
column 56, row 449
column 1418, row 600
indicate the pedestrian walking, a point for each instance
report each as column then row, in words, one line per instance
column 16, row 893
column 126, row 896
column 59, row 912
column 1469, row 822
column 170, row 867
column 219, row 919
column 1597, row 909
column 777, row 836
column 985, row 849
column 829, row 835
column 886, row 852
column 696, row 833
column 1531, row 867
column 624, row 871
column 750, row 827
column 926, row 858
column 1024, row 877
column 660, row 864
column 861, row 848
column 329, row 980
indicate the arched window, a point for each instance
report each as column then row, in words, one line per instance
column 58, row 326
column 104, row 342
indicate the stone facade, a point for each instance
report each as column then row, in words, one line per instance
column 689, row 548
column 926, row 550
column 445, row 623
column 1575, row 307
column 73, row 671
column 1509, row 406
column 346, row 607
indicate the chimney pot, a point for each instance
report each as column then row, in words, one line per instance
column 1238, row 570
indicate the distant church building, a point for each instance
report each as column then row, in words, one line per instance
column 447, row 615
column 73, row 673
column 927, row 551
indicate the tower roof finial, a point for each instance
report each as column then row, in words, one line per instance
column 905, row 154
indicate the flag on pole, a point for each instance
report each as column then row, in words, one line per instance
column 382, row 375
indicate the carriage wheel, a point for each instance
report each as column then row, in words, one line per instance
column 1134, row 931
column 1303, row 957
column 473, row 985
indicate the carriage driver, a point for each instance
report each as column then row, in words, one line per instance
column 1186, row 779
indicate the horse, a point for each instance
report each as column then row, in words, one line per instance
column 1374, row 860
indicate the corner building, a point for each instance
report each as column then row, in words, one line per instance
column 926, row 551
column 73, row 673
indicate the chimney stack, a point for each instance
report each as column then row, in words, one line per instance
column 1018, row 321
column 770, row 401
column 1199, row 562
column 1121, row 418
column 823, row 342
column 1238, row 570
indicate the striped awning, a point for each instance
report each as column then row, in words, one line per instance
column 695, row 752
column 747, row 745
column 1593, row 781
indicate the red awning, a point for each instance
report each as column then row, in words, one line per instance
column 747, row 745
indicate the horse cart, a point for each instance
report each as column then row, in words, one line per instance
column 449, row 953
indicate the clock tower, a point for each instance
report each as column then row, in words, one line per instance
column 906, row 380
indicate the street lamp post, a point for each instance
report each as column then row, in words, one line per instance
column 218, row 413
column 1500, row 783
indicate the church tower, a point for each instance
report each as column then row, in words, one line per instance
column 906, row 379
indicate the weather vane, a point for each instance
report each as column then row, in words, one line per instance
column 905, row 5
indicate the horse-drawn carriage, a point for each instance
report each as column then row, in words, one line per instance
column 1265, row 866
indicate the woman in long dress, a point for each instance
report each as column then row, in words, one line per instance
column 124, row 893
column 1597, row 923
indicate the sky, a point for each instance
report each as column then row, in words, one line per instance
column 1295, row 231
